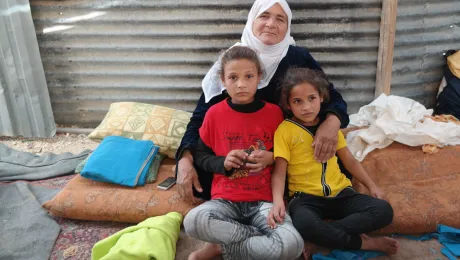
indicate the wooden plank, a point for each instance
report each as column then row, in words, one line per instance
column 386, row 47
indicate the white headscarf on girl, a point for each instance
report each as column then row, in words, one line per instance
column 270, row 55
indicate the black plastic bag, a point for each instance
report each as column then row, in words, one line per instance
column 449, row 98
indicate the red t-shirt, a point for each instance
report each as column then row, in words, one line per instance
column 225, row 129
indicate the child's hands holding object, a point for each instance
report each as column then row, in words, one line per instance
column 240, row 163
column 235, row 159
column 259, row 159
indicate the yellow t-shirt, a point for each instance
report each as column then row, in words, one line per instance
column 293, row 143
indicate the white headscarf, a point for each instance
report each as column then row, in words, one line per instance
column 270, row 55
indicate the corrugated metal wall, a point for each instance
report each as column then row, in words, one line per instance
column 25, row 107
column 424, row 30
column 99, row 52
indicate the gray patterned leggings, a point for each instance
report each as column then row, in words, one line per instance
column 241, row 229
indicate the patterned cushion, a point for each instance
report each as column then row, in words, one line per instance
column 422, row 188
column 85, row 199
column 154, row 167
column 151, row 175
column 164, row 126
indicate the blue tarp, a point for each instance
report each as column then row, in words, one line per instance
column 449, row 237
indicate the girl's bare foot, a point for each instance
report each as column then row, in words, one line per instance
column 308, row 250
column 208, row 252
column 383, row 244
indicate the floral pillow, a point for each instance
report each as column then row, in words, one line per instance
column 86, row 199
column 162, row 125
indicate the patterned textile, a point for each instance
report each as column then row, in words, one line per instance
column 90, row 200
column 81, row 165
column 164, row 126
column 154, row 168
column 421, row 188
column 77, row 237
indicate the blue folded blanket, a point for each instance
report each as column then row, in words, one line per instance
column 121, row 161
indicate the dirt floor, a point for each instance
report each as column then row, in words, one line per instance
column 76, row 143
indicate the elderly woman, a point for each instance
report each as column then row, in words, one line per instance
column 268, row 30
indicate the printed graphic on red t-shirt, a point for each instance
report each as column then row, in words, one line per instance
column 245, row 171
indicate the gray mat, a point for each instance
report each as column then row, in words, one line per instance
column 16, row 165
column 26, row 229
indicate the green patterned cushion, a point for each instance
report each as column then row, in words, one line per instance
column 81, row 165
column 151, row 175
column 153, row 170
column 164, row 126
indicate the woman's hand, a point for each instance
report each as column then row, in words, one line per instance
column 235, row 159
column 186, row 178
column 276, row 214
column 259, row 159
column 325, row 141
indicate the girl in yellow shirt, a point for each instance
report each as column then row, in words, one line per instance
column 319, row 190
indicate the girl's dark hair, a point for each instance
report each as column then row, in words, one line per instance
column 239, row 53
column 297, row 76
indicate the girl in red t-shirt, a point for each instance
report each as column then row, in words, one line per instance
column 236, row 144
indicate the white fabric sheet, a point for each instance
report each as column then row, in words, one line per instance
column 393, row 118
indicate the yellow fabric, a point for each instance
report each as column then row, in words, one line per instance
column 293, row 143
column 153, row 239
column 453, row 61
column 162, row 125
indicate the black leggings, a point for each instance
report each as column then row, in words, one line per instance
column 353, row 214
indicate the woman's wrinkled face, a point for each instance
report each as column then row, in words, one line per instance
column 271, row 26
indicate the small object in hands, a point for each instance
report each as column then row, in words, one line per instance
column 243, row 172
column 261, row 145
column 249, row 151
column 166, row 184
column 430, row 148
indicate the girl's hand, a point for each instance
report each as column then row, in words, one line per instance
column 276, row 214
column 259, row 159
column 376, row 192
column 234, row 159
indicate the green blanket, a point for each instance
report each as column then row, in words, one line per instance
column 154, row 239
